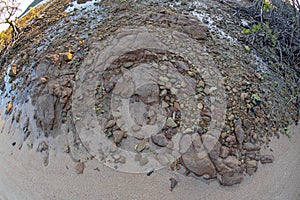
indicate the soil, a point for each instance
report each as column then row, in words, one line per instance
column 139, row 86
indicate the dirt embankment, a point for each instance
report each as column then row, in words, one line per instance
column 143, row 85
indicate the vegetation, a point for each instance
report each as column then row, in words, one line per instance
column 8, row 10
column 17, row 26
column 274, row 30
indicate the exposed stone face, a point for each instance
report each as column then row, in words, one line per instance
column 197, row 160
column 229, row 179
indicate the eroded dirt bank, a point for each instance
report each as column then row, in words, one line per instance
column 140, row 86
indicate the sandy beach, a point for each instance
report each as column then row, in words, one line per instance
column 23, row 176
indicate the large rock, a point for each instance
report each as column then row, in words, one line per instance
column 212, row 146
column 197, row 160
column 229, row 179
column 48, row 113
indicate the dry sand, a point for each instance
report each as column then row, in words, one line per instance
column 23, row 176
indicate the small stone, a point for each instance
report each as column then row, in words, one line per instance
column 224, row 152
column 247, row 48
column 14, row 70
column 163, row 79
column 141, row 146
column 266, row 159
column 230, row 138
column 9, row 107
column 164, row 104
column 138, row 136
column 43, row 79
column 181, row 65
column 232, row 162
column 128, row 64
column 110, row 123
column 239, row 132
column 212, row 89
column 68, row 56
column 144, row 161
column 159, row 140
column 187, row 131
column 174, row 91
column 244, row 96
column 251, row 147
column 79, row 167
column 231, row 117
column 251, row 166
column 163, row 93
column 177, row 106
column 192, row 74
column 136, row 127
column 201, row 84
column 200, row 106
column 173, row 183
column 171, row 123
column 229, row 179
column 118, row 136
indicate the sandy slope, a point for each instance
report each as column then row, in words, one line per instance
column 23, row 176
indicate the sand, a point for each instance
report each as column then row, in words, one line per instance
column 23, row 176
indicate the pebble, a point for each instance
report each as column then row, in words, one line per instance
column 163, row 93
column 163, row 79
column 110, row 123
column 231, row 117
column 173, row 183
column 174, row 91
column 177, row 106
column 128, row 64
column 144, row 161
column 171, row 123
column 159, row 140
column 118, row 136
column 200, row 106
column 141, row 146
column 164, row 104
column 136, row 127
column 79, row 167
column 43, row 79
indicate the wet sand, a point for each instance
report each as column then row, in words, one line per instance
column 23, row 176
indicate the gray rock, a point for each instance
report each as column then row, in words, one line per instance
column 197, row 165
column 251, row 147
column 232, row 162
column 144, row 161
column 79, row 167
column 136, row 127
column 159, row 140
column 118, row 136
column 229, row 179
column 212, row 146
column 110, row 123
column 251, row 166
column 266, row 159
column 239, row 132
column 224, row 151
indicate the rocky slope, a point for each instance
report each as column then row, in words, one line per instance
column 140, row 85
